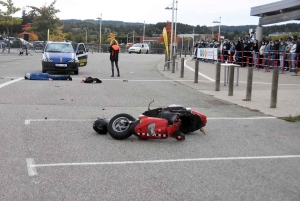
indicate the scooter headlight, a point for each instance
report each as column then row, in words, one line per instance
column 151, row 129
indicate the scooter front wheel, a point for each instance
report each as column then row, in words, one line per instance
column 119, row 126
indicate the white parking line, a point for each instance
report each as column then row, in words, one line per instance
column 239, row 118
column 28, row 121
column 205, row 76
column 10, row 82
column 31, row 166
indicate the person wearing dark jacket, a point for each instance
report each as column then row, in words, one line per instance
column 238, row 52
column 255, row 50
column 114, row 56
column 298, row 51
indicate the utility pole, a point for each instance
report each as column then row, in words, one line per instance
column 100, row 30
column 133, row 37
column 175, row 34
column 172, row 26
column 144, row 32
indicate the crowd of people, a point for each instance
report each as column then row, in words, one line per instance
column 249, row 51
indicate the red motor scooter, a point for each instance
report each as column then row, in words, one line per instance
column 160, row 123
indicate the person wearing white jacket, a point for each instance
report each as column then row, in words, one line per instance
column 293, row 55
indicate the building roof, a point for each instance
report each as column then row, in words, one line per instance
column 279, row 11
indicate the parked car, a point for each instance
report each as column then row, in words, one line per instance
column 129, row 45
column 61, row 56
column 139, row 48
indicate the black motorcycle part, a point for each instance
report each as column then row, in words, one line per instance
column 132, row 127
column 119, row 126
column 190, row 123
column 100, row 126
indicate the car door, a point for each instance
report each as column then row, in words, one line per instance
column 143, row 48
column 81, row 54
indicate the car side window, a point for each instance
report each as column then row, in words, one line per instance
column 81, row 48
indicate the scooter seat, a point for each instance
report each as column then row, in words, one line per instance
column 171, row 117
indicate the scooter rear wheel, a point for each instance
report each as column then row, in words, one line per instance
column 119, row 126
column 100, row 127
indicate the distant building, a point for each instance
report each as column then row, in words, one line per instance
column 150, row 39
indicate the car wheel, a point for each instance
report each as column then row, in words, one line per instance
column 129, row 52
column 76, row 72
column 147, row 52
column 119, row 126
column 140, row 51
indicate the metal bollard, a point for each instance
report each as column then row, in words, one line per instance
column 182, row 68
column 231, row 81
column 173, row 63
column 184, row 53
column 249, row 84
column 218, row 75
column 274, row 88
column 196, row 71
column 166, row 57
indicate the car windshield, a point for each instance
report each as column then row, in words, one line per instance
column 59, row 47
column 137, row 45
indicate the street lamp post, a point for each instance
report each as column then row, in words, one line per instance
column 144, row 32
column 133, row 37
column 193, row 40
column 172, row 25
column 175, row 33
column 219, row 27
column 85, row 35
column 100, row 18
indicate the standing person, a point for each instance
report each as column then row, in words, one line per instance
column 255, row 50
column 238, row 52
column 298, row 52
column 288, row 55
column 225, row 49
column 196, row 45
column 282, row 47
column 114, row 56
column 231, row 51
column 262, row 47
column 293, row 55
column 272, row 53
column 266, row 54
column 46, row 76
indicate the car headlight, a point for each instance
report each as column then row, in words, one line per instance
column 73, row 60
column 47, row 60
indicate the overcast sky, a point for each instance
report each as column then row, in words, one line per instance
column 192, row 12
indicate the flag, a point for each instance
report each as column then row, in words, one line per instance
column 165, row 36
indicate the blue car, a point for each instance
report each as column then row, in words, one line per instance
column 60, row 56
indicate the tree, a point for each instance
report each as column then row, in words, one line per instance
column 6, row 17
column 58, row 35
column 26, row 30
column 26, row 17
column 111, row 36
column 44, row 19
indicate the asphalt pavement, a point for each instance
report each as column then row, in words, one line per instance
column 49, row 151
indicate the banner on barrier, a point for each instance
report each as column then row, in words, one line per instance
column 207, row 53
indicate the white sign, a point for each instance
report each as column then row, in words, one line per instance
column 207, row 53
